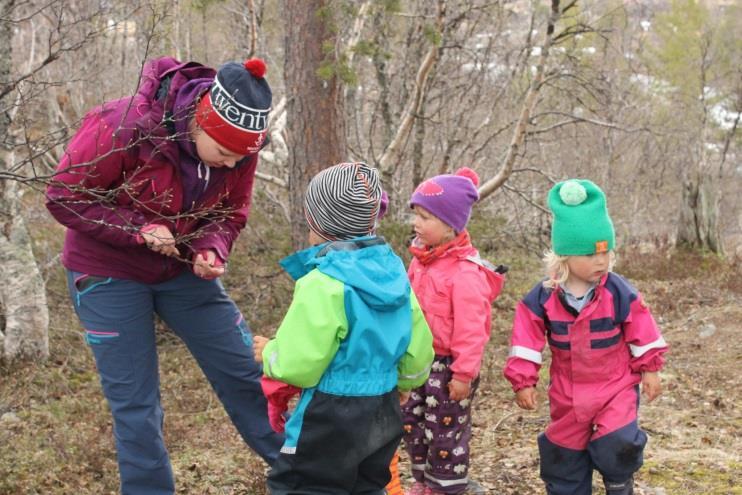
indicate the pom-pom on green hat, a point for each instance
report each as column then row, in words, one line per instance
column 581, row 223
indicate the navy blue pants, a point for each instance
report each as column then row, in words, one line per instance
column 345, row 445
column 617, row 456
column 118, row 318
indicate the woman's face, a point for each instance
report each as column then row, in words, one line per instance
column 212, row 153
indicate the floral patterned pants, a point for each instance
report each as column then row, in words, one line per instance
column 438, row 430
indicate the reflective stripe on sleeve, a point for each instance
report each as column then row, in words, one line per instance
column 639, row 350
column 525, row 353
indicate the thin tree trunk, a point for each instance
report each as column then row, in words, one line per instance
column 176, row 28
column 24, row 324
column 22, row 293
column 315, row 131
column 418, row 153
column 388, row 160
column 698, row 226
column 529, row 104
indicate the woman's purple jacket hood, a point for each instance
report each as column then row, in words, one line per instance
column 130, row 164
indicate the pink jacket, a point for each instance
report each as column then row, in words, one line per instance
column 121, row 171
column 595, row 353
column 456, row 292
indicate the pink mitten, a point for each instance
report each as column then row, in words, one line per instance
column 278, row 394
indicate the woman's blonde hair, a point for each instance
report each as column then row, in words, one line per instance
column 557, row 269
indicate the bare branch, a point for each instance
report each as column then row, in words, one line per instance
column 519, row 133
column 273, row 180
column 387, row 161
column 525, row 198
column 574, row 119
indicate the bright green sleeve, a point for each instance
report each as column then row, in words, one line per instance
column 414, row 367
column 310, row 333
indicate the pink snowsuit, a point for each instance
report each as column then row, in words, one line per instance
column 598, row 356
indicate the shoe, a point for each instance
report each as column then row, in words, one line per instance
column 625, row 488
column 474, row 488
column 417, row 488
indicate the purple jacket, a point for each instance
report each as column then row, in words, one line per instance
column 122, row 170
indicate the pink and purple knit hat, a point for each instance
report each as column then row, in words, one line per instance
column 449, row 197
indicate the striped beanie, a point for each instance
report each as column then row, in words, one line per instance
column 343, row 201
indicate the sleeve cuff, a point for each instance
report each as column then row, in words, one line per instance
column 524, row 384
column 463, row 377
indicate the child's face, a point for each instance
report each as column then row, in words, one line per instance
column 430, row 230
column 315, row 239
column 588, row 269
column 212, row 153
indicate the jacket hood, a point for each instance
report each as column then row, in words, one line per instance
column 495, row 279
column 366, row 264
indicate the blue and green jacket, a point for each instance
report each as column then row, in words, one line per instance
column 354, row 327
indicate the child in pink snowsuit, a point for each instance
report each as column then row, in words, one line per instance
column 603, row 341
column 456, row 289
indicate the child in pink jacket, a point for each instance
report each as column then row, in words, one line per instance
column 603, row 341
column 456, row 289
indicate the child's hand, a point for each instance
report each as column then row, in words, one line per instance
column 258, row 344
column 458, row 390
column 404, row 396
column 526, row 398
column 651, row 386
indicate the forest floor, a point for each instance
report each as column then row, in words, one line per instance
column 55, row 427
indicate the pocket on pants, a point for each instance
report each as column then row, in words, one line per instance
column 244, row 330
column 113, row 362
column 83, row 283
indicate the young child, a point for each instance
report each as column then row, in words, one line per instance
column 353, row 335
column 603, row 342
column 456, row 289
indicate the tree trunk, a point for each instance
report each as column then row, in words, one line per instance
column 315, row 131
column 24, row 325
column 25, row 333
column 698, row 226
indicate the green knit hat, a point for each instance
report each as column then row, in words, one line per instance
column 581, row 223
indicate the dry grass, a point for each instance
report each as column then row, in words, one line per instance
column 56, row 437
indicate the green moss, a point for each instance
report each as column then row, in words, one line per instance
column 693, row 477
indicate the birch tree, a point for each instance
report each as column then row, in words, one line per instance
column 25, row 318
column 693, row 55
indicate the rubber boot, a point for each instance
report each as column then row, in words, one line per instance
column 624, row 488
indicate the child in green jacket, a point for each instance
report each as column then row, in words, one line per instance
column 353, row 335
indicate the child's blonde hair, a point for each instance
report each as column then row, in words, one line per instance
column 557, row 269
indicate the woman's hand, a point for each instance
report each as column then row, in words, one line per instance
column 404, row 396
column 207, row 265
column 651, row 386
column 526, row 398
column 258, row 344
column 458, row 390
column 159, row 239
